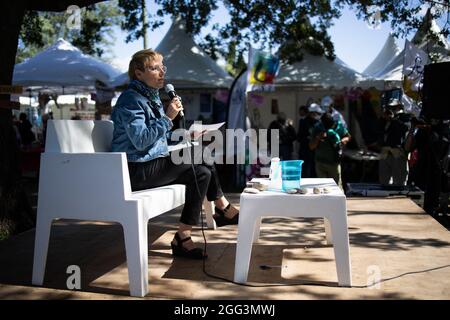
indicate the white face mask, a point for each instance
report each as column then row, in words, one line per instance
column 317, row 117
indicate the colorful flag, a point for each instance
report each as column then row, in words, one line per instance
column 262, row 69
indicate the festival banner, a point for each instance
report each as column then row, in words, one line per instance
column 414, row 63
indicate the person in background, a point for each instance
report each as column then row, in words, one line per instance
column 286, row 135
column 45, row 118
column 26, row 134
column 394, row 127
column 329, row 137
column 305, row 128
column 431, row 139
column 328, row 106
column 303, row 113
column 15, row 123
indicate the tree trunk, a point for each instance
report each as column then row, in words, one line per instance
column 14, row 204
column 144, row 23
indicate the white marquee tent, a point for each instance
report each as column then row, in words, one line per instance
column 393, row 70
column 387, row 54
column 319, row 71
column 187, row 65
column 62, row 65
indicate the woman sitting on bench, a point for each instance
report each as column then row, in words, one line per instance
column 141, row 129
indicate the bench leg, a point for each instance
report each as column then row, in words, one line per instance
column 341, row 248
column 246, row 228
column 136, row 246
column 42, row 238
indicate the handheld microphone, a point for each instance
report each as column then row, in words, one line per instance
column 170, row 90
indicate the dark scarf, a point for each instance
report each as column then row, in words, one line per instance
column 150, row 93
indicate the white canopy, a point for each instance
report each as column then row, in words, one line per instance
column 318, row 70
column 389, row 51
column 63, row 65
column 187, row 65
column 393, row 71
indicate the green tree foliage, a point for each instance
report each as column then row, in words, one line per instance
column 211, row 46
column 196, row 14
column 41, row 29
column 292, row 26
column 235, row 60
column 133, row 22
column 295, row 27
column 405, row 16
column 96, row 32
column 272, row 23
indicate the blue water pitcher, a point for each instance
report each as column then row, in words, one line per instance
column 291, row 172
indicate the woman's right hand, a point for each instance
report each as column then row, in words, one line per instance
column 174, row 108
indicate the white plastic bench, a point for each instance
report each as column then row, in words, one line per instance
column 81, row 179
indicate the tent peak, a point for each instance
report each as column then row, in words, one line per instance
column 62, row 44
column 387, row 54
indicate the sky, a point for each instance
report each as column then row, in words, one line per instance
column 355, row 42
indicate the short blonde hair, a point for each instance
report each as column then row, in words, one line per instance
column 140, row 60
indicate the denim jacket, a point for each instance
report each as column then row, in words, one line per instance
column 141, row 128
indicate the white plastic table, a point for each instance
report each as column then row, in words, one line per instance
column 331, row 206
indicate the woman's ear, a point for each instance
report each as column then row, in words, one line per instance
column 138, row 73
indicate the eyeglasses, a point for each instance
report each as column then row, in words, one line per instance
column 157, row 68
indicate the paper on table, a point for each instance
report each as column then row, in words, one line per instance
column 205, row 127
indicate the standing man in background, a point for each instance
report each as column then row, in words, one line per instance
column 394, row 127
column 329, row 137
column 328, row 106
column 304, row 133
column 286, row 135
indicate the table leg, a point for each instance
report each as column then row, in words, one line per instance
column 328, row 233
column 341, row 245
column 256, row 229
column 244, row 243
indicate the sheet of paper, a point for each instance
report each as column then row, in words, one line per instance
column 208, row 127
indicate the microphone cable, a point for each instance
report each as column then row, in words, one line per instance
column 205, row 243
column 266, row 267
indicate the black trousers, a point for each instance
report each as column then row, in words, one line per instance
column 162, row 172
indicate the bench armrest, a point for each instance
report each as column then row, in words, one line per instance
column 84, row 176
